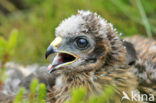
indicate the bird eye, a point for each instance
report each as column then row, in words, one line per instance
column 82, row 43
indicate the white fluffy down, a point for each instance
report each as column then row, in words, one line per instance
column 73, row 25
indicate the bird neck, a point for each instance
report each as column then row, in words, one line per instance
column 94, row 81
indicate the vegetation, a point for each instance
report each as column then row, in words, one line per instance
column 37, row 94
column 6, row 51
column 78, row 95
column 36, row 21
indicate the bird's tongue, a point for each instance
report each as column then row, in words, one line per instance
column 57, row 61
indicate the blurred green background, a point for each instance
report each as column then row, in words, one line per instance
column 36, row 20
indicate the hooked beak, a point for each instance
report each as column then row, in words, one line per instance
column 62, row 58
column 54, row 44
column 50, row 50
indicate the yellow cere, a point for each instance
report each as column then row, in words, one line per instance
column 56, row 42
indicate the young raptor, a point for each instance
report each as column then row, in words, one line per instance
column 89, row 53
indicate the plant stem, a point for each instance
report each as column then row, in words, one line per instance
column 144, row 18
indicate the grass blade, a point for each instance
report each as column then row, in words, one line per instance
column 144, row 18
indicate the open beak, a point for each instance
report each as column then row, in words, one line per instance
column 62, row 58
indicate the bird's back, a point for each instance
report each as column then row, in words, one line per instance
column 146, row 62
column 145, row 48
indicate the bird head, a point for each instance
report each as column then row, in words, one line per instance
column 84, row 42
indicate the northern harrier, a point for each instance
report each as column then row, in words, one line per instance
column 89, row 53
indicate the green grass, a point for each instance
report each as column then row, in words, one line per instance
column 144, row 18
column 36, row 24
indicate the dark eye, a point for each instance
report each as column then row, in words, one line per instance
column 82, row 43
